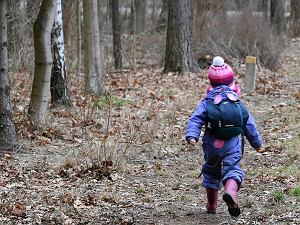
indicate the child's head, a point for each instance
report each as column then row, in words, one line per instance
column 220, row 73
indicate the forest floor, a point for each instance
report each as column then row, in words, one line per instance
column 122, row 158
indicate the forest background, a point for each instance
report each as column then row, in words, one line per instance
column 108, row 146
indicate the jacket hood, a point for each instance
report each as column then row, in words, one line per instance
column 223, row 90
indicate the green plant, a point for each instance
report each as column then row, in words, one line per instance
column 140, row 190
column 169, row 92
column 193, row 174
column 177, row 185
column 108, row 100
column 295, row 192
column 278, row 196
column 162, row 173
column 288, row 170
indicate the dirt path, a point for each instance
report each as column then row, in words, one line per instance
column 43, row 182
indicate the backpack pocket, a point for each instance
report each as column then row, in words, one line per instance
column 227, row 132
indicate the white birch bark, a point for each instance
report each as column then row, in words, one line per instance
column 59, row 87
column 43, row 61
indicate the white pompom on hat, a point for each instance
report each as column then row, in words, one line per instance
column 220, row 73
column 218, row 61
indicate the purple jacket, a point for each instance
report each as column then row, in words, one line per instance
column 199, row 118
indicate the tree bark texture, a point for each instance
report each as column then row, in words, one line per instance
column 266, row 9
column 59, row 84
column 116, row 27
column 7, row 127
column 43, row 61
column 139, row 15
column 163, row 17
column 295, row 18
column 277, row 17
column 79, row 37
column 179, row 47
column 93, row 67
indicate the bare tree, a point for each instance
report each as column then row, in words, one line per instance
column 59, row 84
column 277, row 16
column 7, row 127
column 179, row 47
column 163, row 17
column 116, row 27
column 93, row 67
column 295, row 18
column 43, row 61
column 79, row 36
column 266, row 9
column 139, row 15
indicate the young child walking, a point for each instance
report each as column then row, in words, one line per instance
column 227, row 121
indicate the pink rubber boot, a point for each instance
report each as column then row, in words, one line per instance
column 212, row 200
column 230, row 197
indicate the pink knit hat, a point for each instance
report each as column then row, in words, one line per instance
column 220, row 73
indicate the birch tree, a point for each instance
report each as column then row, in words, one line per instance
column 93, row 65
column 179, row 48
column 43, row 61
column 59, row 84
column 7, row 127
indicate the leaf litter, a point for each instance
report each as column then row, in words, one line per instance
column 126, row 162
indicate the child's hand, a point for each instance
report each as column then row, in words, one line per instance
column 261, row 149
column 192, row 141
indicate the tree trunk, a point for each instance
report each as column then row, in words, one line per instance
column 163, row 17
column 59, row 85
column 295, row 18
column 179, row 47
column 266, row 9
column 139, row 15
column 93, row 67
column 116, row 27
column 100, row 5
column 277, row 17
column 7, row 127
column 79, row 37
column 43, row 61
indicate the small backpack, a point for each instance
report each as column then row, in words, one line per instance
column 227, row 116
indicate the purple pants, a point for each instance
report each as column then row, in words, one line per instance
column 220, row 157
